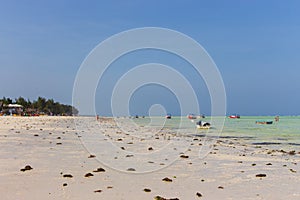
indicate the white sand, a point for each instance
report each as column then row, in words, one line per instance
column 229, row 165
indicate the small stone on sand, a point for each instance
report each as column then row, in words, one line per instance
column 147, row 190
column 88, row 175
column 184, row 156
column 26, row 168
column 269, row 164
column 67, row 176
column 167, row 179
column 198, row 194
column 261, row 175
column 131, row 169
column 294, row 171
column 99, row 170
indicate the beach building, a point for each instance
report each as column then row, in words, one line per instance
column 12, row 109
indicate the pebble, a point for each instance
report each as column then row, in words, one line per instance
column 99, row 170
column 198, row 194
column 167, row 179
column 261, row 175
column 68, row 176
column 184, row 156
column 88, row 175
column 26, row 168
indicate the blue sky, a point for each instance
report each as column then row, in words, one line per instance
column 255, row 45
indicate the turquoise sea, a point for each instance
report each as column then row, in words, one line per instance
column 285, row 133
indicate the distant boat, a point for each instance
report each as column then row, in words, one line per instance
column 203, row 125
column 264, row 122
column 168, row 116
column 191, row 116
column 235, row 116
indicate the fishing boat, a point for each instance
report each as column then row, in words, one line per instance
column 191, row 116
column 264, row 122
column 203, row 125
column 235, row 116
column 168, row 116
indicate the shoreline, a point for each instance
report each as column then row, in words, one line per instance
column 53, row 148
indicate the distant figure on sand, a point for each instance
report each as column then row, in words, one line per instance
column 97, row 117
column 277, row 118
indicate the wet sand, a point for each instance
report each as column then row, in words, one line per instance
column 46, row 158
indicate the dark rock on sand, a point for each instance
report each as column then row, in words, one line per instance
column 98, row 191
column 220, row 187
column 261, row 175
column 198, row 194
column 150, row 149
column 91, row 156
column 167, row 179
column 99, row 170
column 184, row 156
column 131, row 169
column 269, row 164
column 294, row 171
column 159, row 198
column 68, row 176
column 26, row 168
column 292, row 153
column 147, row 190
column 65, row 184
column 88, row 175
column 162, row 198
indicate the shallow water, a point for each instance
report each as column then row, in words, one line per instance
column 286, row 132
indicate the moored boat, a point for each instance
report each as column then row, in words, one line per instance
column 192, row 116
column 264, row 122
column 203, row 125
column 235, row 116
column 168, row 116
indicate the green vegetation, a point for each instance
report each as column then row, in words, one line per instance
column 40, row 106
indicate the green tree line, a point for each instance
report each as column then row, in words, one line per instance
column 41, row 105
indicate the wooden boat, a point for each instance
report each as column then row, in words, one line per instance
column 264, row 122
column 191, row 116
column 235, row 116
column 203, row 125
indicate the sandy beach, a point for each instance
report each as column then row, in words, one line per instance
column 46, row 158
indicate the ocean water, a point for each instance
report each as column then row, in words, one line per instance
column 284, row 133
